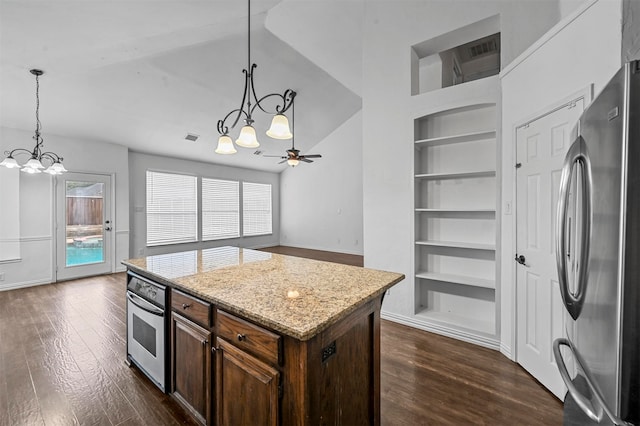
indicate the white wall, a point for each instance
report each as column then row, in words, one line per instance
column 138, row 166
column 36, row 265
column 321, row 203
column 390, row 29
column 570, row 58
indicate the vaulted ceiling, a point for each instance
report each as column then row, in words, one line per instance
column 144, row 73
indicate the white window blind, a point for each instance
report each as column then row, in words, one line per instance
column 256, row 209
column 220, row 209
column 172, row 203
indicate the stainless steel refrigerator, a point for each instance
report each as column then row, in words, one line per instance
column 598, row 256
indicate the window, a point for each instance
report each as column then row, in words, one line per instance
column 220, row 209
column 256, row 209
column 172, row 208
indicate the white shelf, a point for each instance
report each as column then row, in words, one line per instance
column 487, row 327
column 457, row 244
column 457, row 279
column 466, row 137
column 465, row 175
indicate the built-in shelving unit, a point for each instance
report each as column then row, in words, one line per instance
column 455, row 220
column 467, row 137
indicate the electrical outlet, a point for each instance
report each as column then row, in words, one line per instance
column 1, row 276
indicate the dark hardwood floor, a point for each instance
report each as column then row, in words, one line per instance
column 62, row 352
column 327, row 256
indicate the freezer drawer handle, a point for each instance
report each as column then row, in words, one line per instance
column 577, row 155
column 583, row 402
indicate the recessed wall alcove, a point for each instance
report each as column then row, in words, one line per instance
column 466, row 54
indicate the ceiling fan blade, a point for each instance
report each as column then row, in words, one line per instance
column 282, row 161
column 279, row 156
column 312, row 156
column 305, row 160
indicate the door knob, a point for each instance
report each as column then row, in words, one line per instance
column 520, row 259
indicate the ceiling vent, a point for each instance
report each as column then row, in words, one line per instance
column 484, row 47
column 257, row 152
column 191, row 137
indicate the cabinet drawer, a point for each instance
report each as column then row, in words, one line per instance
column 192, row 308
column 249, row 337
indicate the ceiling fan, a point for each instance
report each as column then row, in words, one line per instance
column 293, row 156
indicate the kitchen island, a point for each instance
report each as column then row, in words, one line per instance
column 262, row 338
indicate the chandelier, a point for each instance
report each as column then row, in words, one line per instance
column 279, row 125
column 35, row 163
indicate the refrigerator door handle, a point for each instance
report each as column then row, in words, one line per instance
column 576, row 156
column 595, row 413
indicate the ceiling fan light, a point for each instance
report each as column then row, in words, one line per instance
column 33, row 163
column 10, row 163
column 247, row 137
column 279, row 127
column 225, row 145
column 293, row 162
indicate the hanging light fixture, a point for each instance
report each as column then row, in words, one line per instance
column 34, row 165
column 279, row 126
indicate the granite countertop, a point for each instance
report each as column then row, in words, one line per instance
column 294, row 296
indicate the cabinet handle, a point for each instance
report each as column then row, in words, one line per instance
column 241, row 337
column 186, row 305
column 205, row 341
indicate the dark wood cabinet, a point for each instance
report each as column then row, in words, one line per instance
column 191, row 366
column 247, row 389
column 259, row 377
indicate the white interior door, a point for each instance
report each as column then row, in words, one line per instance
column 541, row 147
column 83, row 225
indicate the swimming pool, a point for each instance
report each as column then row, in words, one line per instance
column 83, row 255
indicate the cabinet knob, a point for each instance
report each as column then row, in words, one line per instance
column 241, row 337
column 186, row 305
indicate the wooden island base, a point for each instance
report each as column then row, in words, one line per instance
column 334, row 378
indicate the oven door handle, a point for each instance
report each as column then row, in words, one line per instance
column 144, row 305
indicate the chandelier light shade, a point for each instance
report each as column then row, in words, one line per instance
column 279, row 126
column 247, row 137
column 225, row 145
column 37, row 157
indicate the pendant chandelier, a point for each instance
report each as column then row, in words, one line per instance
column 35, row 163
column 280, row 124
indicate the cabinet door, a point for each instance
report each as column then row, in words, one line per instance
column 246, row 388
column 191, row 366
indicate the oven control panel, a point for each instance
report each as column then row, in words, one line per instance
column 153, row 292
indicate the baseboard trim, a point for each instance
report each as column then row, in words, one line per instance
column 487, row 342
column 24, row 284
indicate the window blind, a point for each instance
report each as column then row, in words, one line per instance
column 172, row 203
column 256, row 209
column 220, row 209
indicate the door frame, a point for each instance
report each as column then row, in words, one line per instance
column 509, row 252
column 111, row 213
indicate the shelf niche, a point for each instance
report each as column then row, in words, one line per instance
column 455, row 188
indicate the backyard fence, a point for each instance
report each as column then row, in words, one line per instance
column 84, row 210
